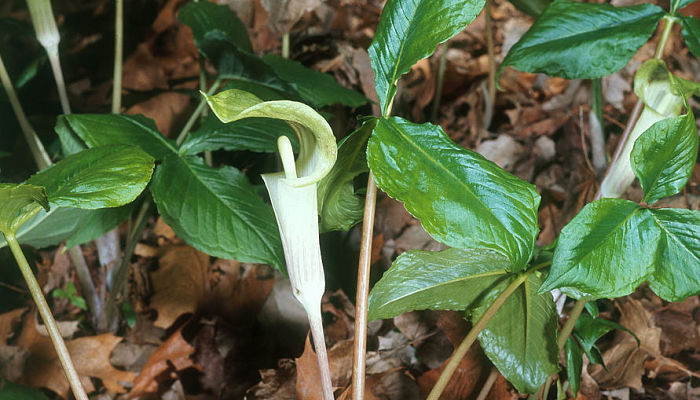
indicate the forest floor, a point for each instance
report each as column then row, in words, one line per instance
column 208, row 328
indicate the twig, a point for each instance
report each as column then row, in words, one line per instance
column 360, row 347
column 45, row 312
column 440, row 81
column 461, row 351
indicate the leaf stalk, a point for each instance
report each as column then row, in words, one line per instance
column 45, row 312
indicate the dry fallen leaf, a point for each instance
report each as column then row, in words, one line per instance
column 283, row 14
column 175, row 353
column 90, row 354
column 308, row 377
column 8, row 321
column 165, row 109
column 179, row 284
column 277, row 384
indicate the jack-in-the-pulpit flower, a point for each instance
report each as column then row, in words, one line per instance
column 293, row 193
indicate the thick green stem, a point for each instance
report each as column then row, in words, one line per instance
column 285, row 45
column 471, row 337
column 197, row 112
column 570, row 323
column 35, row 146
column 47, row 317
column 118, row 57
column 597, row 135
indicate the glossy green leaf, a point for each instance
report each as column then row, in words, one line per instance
column 574, row 364
column 221, row 214
column 583, row 40
column 19, row 203
column 339, row 206
column 451, row 279
column 521, row 338
column 607, row 250
column 660, row 90
column 314, row 87
column 204, row 18
column 677, row 274
column 691, row 34
column 109, row 129
column 13, row 391
column 663, row 157
column 409, row 31
column 50, row 228
column 462, row 199
column 98, row 222
column 254, row 134
column 105, row 176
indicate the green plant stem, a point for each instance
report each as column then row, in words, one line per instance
column 45, row 312
column 118, row 57
column 55, row 62
column 316, row 324
column 440, row 81
column 361, row 297
column 596, row 127
column 197, row 112
column 545, row 389
column 119, row 275
column 461, row 351
column 285, row 44
column 87, row 286
column 570, row 323
column 203, row 87
column 35, row 146
column 493, row 375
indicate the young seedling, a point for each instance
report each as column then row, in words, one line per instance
column 293, row 193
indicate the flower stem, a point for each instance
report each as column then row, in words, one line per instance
column 118, row 57
column 45, row 312
column 197, row 112
column 58, row 76
column 360, row 345
column 461, row 351
column 316, row 323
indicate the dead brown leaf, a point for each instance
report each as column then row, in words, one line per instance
column 179, row 284
column 90, row 354
column 173, row 355
column 277, row 384
column 308, row 376
column 164, row 109
column 8, row 321
column 283, row 14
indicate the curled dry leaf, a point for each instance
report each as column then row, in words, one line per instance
column 8, row 321
column 174, row 354
column 91, row 356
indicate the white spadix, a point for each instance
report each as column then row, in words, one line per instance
column 294, row 198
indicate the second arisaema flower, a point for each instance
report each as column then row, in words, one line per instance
column 294, row 198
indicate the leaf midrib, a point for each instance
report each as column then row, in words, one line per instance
column 606, row 237
column 461, row 183
column 221, row 201
column 660, row 224
column 445, row 283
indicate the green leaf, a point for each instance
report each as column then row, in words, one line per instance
column 583, row 40
column 339, row 206
column 521, row 338
column 663, row 157
column 50, row 228
column 105, row 176
column 13, row 391
column 98, row 222
column 462, row 199
column 660, row 90
column 451, row 279
column 19, row 203
column 254, row 134
column 574, row 364
column 678, row 4
column 589, row 330
column 314, row 87
column 204, row 18
column 216, row 211
column 607, row 250
column 409, row 31
column 234, row 64
column 109, row 129
column 533, row 8
column 677, row 274
column 691, row 34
